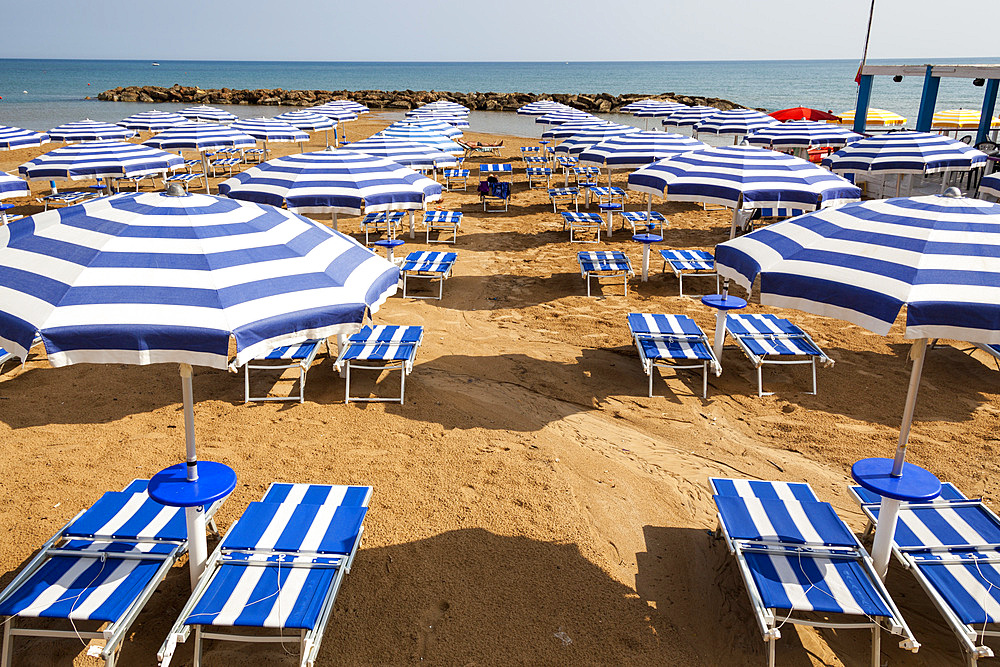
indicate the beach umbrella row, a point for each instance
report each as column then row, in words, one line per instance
column 411, row 154
column 152, row 121
column 418, row 134
column 564, row 130
column 454, row 120
column 635, row 150
column 738, row 122
column 584, row 139
column 15, row 137
column 99, row 159
column 431, row 125
column 89, row 130
column 561, row 116
column 880, row 117
column 445, row 106
column 541, row 107
column 207, row 113
column 802, row 134
column 689, row 116
column 905, row 153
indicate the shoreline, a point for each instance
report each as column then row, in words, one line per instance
column 393, row 99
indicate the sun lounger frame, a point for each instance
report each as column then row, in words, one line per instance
column 648, row 363
column 598, row 273
column 404, row 366
column 302, row 363
column 420, row 272
column 681, row 272
column 759, row 361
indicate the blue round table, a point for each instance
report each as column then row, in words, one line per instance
column 171, row 487
column 646, row 240
column 610, row 207
column 722, row 303
column 389, row 245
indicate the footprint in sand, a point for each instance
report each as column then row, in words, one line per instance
column 430, row 620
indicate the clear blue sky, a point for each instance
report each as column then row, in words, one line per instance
column 502, row 30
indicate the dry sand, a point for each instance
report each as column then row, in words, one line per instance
column 531, row 505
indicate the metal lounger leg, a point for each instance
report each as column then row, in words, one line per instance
column 704, row 381
column 876, row 644
column 402, row 383
column 197, row 646
column 650, row 374
column 5, row 648
column 814, row 375
column 680, row 282
column 347, row 380
column 760, row 382
column 770, row 645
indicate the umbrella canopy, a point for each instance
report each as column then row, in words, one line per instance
column 656, row 109
column 445, row 105
column 15, row 137
column 960, row 118
column 561, row 116
column 306, row 120
column 689, row 116
column 349, row 105
column 335, row 112
column 152, row 121
column 333, row 182
column 734, row 121
column 803, row 113
column 802, row 134
column 541, row 107
column 632, row 106
column 270, row 129
column 89, row 130
column 569, row 129
column 581, row 141
column 631, row 151
column 205, row 112
column 451, row 119
column 412, row 132
column 12, row 186
column 990, row 185
column 905, row 153
column 201, row 137
column 99, row 159
column 875, row 117
column 429, row 124
column 402, row 151
column 744, row 177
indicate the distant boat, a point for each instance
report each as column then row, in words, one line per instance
column 156, row 64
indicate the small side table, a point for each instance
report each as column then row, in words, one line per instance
column 389, row 245
column 722, row 304
column 610, row 208
column 646, row 240
column 912, row 484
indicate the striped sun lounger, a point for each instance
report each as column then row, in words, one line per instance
column 534, row 160
column 456, row 176
column 537, row 174
column 428, row 265
column 604, row 263
column 672, row 341
column 100, row 567
column 442, row 221
column 276, row 574
column 801, row 564
column 388, row 222
column 67, row 198
column 577, row 222
column 565, row 195
column 652, row 222
column 769, row 339
column 689, row 263
column 299, row 357
column 382, row 347
column 952, row 546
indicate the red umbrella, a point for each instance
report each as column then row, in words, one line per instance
column 803, row 113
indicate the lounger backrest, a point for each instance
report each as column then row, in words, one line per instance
column 783, row 521
column 130, row 516
column 293, row 352
column 673, row 325
column 689, row 260
column 952, row 526
column 432, row 261
column 970, row 584
column 770, row 335
column 604, row 260
column 319, row 494
column 296, row 528
column 762, row 489
column 385, row 342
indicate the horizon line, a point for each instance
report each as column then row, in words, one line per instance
column 438, row 62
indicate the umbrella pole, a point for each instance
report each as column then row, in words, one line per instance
column 204, row 171
column 889, row 507
column 194, row 516
column 334, row 222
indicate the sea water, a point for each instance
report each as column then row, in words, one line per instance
column 40, row 94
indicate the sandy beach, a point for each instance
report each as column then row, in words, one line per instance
column 531, row 504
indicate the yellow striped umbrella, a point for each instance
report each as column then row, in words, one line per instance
column 875, row 117
column 960, row 118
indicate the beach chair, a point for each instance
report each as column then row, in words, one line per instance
column 641, row 222
column 388, row 222
column 992, row 350
column 66, row 198
column 604, row 264
column 184, row 179
column 606, row 195
column 672, row 341
column 769, row 339
column 299, row 356
column 252, row 155
column 536, row 174
column 496, row 191
column 428, row 265
column 689, row 263
column 565, row 195
column 577, row 222
column 534, row 160
column 381, row 348
column 227, row 163
column 456, row 176
column 801, row 564
column 442, row 221
column 276, row 574
column 529, row 150
column 473, row 147
column 566, row 163
column 951, row 544
column 99, row 570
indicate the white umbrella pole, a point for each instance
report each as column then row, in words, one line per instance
column 204, row 171
column 334, row 222
column 649, row 207
column 720, row 324
column 889, row 508
column 413, row 228
column 194, row 516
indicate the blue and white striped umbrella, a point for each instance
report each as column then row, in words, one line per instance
column 905, row 153
column 632, row 151
column 12, row 186
column 350, row 105
column 581, row 141
column 802, row 134
column 739, row 122
column 269, row 129
column 205, row 112
column 569, row 129
column 541, row 107
column 744, row 177
column 656, row 109
column 430, row 125
column 152, row 121
column 446, row 105
column 335, row 182
column 99, row 159
column 990, row 185
column 201, row 137
column 335, row 112
column 89, row 130
column 402, row 151
column 15, row 137
column 632, row 106
column 435, row 140
column 564, row 116
column 453, row 120
column 689, row 116
column 306, row 120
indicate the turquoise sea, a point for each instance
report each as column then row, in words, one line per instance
column 40, row 94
